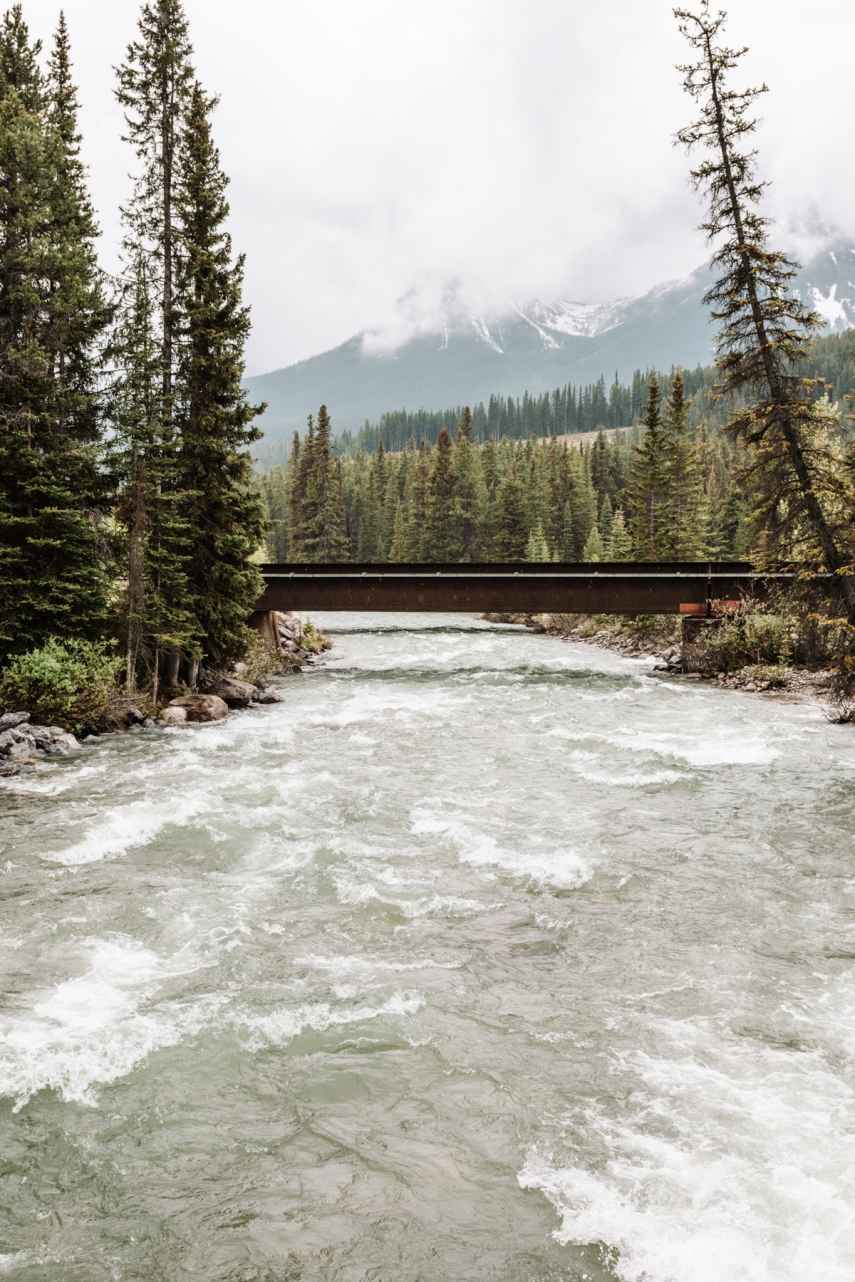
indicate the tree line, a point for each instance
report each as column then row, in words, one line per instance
column 662, row 491
column 127, row 505
column 777, row 482
column 573, row 409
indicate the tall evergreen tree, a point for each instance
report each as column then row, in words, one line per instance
column 764, row 328
column 649, row 483
column 511, row 538
column 324, row 530
column 443, row 540
column 468, row 486
column 295, row 496
column 52, row 317
column 683, row 525
column 537, row 549
column 620, row 543
column 215, row 421
column 154, row 87
column 160, row 619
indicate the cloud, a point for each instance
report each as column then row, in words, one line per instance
column 387, row 157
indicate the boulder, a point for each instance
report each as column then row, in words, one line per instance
column 10, row 720
column 268, row 695
column 237, row 694
column 202, row 707
column 134, row 717
column 53, row 739
column 173, row 716
column 9, row 739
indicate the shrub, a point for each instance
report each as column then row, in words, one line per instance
column 751, row 636
column 771, row 675
column 313, row 640
column 261, row 661
column 64, row 683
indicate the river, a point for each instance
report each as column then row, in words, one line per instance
column 483, row 957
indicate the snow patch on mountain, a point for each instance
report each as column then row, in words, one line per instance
column 548, row 341
column 838, row 313
column 483, row 331
column 579, row 320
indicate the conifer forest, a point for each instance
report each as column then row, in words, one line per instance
column 137, row 495
column 128, row 512
column 426, row 835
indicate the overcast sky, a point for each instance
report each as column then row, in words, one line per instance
column 387, row 149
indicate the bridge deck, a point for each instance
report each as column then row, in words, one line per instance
column 553, row 587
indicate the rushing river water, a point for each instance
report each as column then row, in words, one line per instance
column 482, row 958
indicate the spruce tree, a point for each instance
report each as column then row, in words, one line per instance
column 154, row 87
column 584, row 510
column 593, row 550
column 420, row 500
column 443, row 542
column 399, row 548
column 537, row 549
column 160, row 619
column 295, row 498
column 511, row 538
column 648, row 496
column 52, row 316
column 764, row 328
column 324, row 529
column 620, row 543
column 683, row 532
column 468, row 486
column 215, row 422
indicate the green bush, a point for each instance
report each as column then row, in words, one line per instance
column 749, row 637
column 314, row 640
column 771, row 675
column 261, row 661
column 64, row 683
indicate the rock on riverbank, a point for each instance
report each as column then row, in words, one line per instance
column 23, row 744
column 658, row 637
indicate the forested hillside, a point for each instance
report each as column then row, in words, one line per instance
column 571, row 408
column 665, row 490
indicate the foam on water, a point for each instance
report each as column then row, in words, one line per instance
column 562, row 867
column 283, row 1025
column 128, row 827
column 356, row 907
column 735, row 1164
column 702, row 750
column 96, row 1027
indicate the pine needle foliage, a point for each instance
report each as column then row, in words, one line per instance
column 214, row 421
column 52, row 317
column 764, row 330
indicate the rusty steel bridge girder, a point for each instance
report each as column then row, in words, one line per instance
column 543, row 588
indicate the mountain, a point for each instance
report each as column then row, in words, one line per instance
column 532, row 347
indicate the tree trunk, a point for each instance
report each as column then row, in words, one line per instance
column 136, row 572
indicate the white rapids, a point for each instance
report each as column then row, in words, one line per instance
column 483, row 957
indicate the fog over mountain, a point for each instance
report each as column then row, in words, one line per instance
column 535, row 346
column 380, row 149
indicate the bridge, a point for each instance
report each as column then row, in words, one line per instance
column 619, row 587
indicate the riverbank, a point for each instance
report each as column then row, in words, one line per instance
column 660, row 637
column 24, row 743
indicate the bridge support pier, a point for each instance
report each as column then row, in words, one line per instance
column 264, row 623
column 694, row 633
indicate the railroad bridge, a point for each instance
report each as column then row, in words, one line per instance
column 693, row 588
